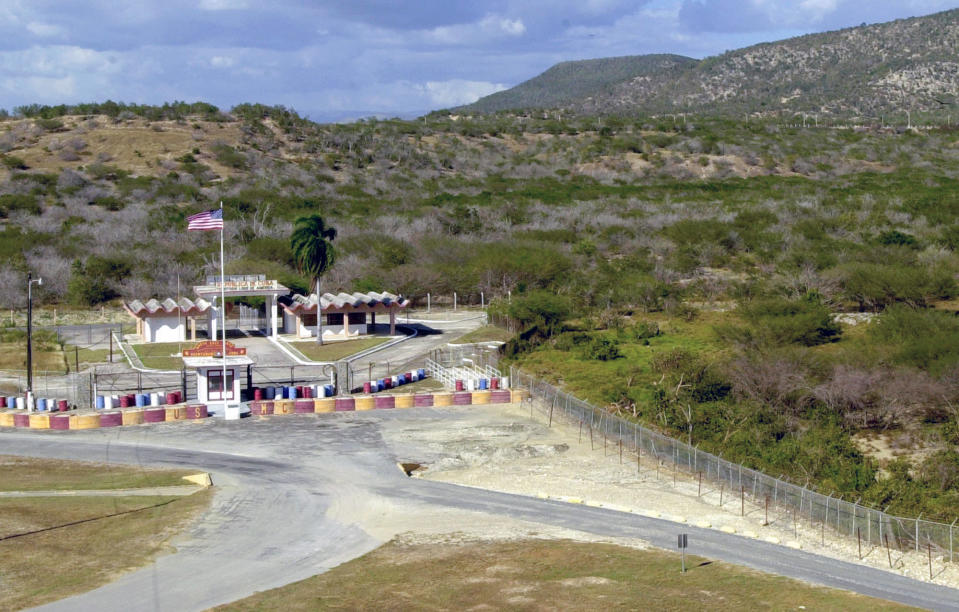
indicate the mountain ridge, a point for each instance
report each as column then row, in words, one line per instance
column 906, row 65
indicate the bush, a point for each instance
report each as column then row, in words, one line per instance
column 13, row 162
column 778, row 321
column 601, row 348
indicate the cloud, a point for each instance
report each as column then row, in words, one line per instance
column 488, row 28
column 223, row 5
column 443, row 94
column 44, row 30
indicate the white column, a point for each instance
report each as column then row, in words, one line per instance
column 214, row 319
column 272, row 314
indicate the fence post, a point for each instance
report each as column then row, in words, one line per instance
column 950, row 539
column 139, row 381
column 917, row 531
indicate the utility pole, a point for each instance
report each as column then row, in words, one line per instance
column 30, row 281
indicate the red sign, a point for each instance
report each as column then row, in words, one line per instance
column 213, row 348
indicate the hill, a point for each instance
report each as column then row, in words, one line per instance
column 569, row 82
column 870, row 71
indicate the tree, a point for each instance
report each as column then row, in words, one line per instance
column 312, row 244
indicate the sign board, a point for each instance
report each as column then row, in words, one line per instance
column 213, row 348
column 250, row 282
column 683, row 540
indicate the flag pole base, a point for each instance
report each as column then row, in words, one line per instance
column 231, row 413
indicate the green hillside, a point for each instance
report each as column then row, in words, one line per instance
column 874, row 73
column 569, row 82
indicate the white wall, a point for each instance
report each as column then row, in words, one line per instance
column 201, row 386
column 165, row 329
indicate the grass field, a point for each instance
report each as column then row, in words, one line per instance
column 545, row 575
column 25, row 474
column 487, row 333
column 332, row 351
column 42, row 559
column 13, row 356
column 160, row 355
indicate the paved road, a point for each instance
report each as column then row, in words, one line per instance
column 287, row 487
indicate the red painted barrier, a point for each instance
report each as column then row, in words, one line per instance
column 462, row 399
column 261, row 408
column 111, row 419
column 60, row 421
column 423, row 399
column 196, row 411
column 384, row 401
column 21, row 420
column 154, row 415
column 500, row 396
column 303, row 406
column 344, row 404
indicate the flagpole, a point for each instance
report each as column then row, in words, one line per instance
column 223, row 307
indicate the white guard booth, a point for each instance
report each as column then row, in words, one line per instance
column 207, row 359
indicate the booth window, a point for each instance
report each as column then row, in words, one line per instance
column 214, row 385
column 356, row 318
column 335, row 319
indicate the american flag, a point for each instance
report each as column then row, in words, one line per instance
column 206, row 220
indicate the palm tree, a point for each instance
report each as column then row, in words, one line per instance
column 312, row 244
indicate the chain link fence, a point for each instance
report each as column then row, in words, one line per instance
column 873, row 526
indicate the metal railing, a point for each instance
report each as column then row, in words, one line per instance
column 874, row 526
column 448, row 375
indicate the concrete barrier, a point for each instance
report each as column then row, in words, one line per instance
column 39, row 421
column 344, row 404
column 88, row 421
column 366, row 402
column 111, row 419
column 518, row 395
column 464, row 398
column 132, row 417
column 501, row 396
column 423, row 399
column 196, row 411
column 154, row 415
column 63, row 421
column 285, row 406
column 6, row 419
column 481, row 397
column 324, row 404
column 385, row 401
column 404, row 400
column 21, row 420
column 303, row 406
column 175, row 413
column 442, row 399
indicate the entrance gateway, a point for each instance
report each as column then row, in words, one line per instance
column 208, row 360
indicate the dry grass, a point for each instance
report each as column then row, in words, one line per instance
column 332, row 351
column 135, row 145
column 13, row 356
column 545, row 575
column 29, row 474
column 160, row 355
column 120, row 533
column 487, row 333
column 50, row 565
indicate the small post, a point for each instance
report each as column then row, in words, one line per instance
column 722, row 486
column 929, row 548
column 111, row 347
column 580, row 440
column 482, row 300
column 428, row 305
column 767, row 511
column 682, row 543
column 700, row 493
column 454, row 300
column 76, row 357
column 917, row 531
column 885, row 537
column 550, row 415
column 795, row 525
column 742, row 500
column 950, row 539
column 591, row 435
column 822, row 526
column 620, row 452
column 859, row 541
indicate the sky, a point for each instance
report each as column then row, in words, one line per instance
column 330, row 59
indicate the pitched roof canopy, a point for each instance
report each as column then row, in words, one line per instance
column 169, row 306
column 343, row 302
